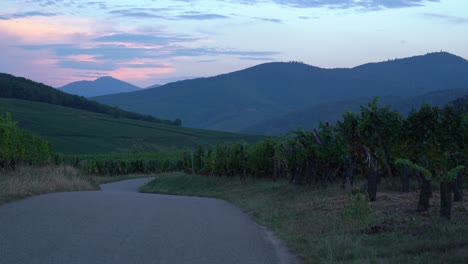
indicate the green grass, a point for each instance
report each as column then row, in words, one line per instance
column 74, row 131
column 332, row 225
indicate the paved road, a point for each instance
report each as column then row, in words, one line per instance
column 119, row 225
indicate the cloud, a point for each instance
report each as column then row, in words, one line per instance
column 86, row 65
column 195, row 52
column 206, row 61
column 272, row 20
column 343, row 4
column 144, row 39
column 447, row 18
column 165, row 13
column 26, row 15
column 257, row 58
column 140, row 12
column 201, row 16
column 66, row 3
column 114, row 52
column 307, row 17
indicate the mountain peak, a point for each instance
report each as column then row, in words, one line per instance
column 105, row 85
column 417, row 63
column 105, row 78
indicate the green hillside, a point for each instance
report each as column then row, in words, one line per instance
column 24, row 89
column 77, row 131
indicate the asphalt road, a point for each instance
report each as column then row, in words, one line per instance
column 120, row 225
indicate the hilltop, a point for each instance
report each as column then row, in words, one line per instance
column 101, row 86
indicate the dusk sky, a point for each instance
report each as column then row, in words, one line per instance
column 147, row 42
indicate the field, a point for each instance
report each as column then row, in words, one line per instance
column 75, row 131
column 331, row 225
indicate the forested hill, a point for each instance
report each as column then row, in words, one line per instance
column 242, row 99
column 310, row 118
column 461, row 102
column 22, row 88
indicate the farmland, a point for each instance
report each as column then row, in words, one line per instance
column 74, row 131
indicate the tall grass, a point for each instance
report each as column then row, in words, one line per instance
column 28, row 181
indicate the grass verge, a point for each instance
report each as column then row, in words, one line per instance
column 333, row 225
column 28, row 181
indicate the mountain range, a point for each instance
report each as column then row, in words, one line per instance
column 101, row 86
column 240, row 100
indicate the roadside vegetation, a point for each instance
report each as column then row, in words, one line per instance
column 376, row 187
column 124, row 164
column 24, row 182
column 377, row 145
column 332, row 225
column 26, row 166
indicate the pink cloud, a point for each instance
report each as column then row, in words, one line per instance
column 42, row 65
column 140, row 76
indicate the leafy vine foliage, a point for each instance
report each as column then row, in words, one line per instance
column 18, row 147
column 377, row 143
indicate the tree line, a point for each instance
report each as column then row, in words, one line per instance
column 429, row 145
column 24, row 89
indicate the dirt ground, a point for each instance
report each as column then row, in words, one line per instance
column 397, row 210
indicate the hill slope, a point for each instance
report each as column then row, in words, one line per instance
column 76, row 131
column 102, row 86
column 461, row 102
column 24, row 89
column 310, row 118
column 241, row 99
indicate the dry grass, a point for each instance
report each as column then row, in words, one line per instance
column 28, row 181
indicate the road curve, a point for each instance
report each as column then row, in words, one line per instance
column 120, row 225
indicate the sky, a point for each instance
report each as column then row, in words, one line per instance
column 147, row 42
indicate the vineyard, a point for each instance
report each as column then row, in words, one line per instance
column 428, row 146
column 20, row 147
column 378, row 144
column 118, row 164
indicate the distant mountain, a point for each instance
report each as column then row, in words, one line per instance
column 102, row 86
column 242, row 99
column 24, row 89
column 331, row 112
column 153, row 86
